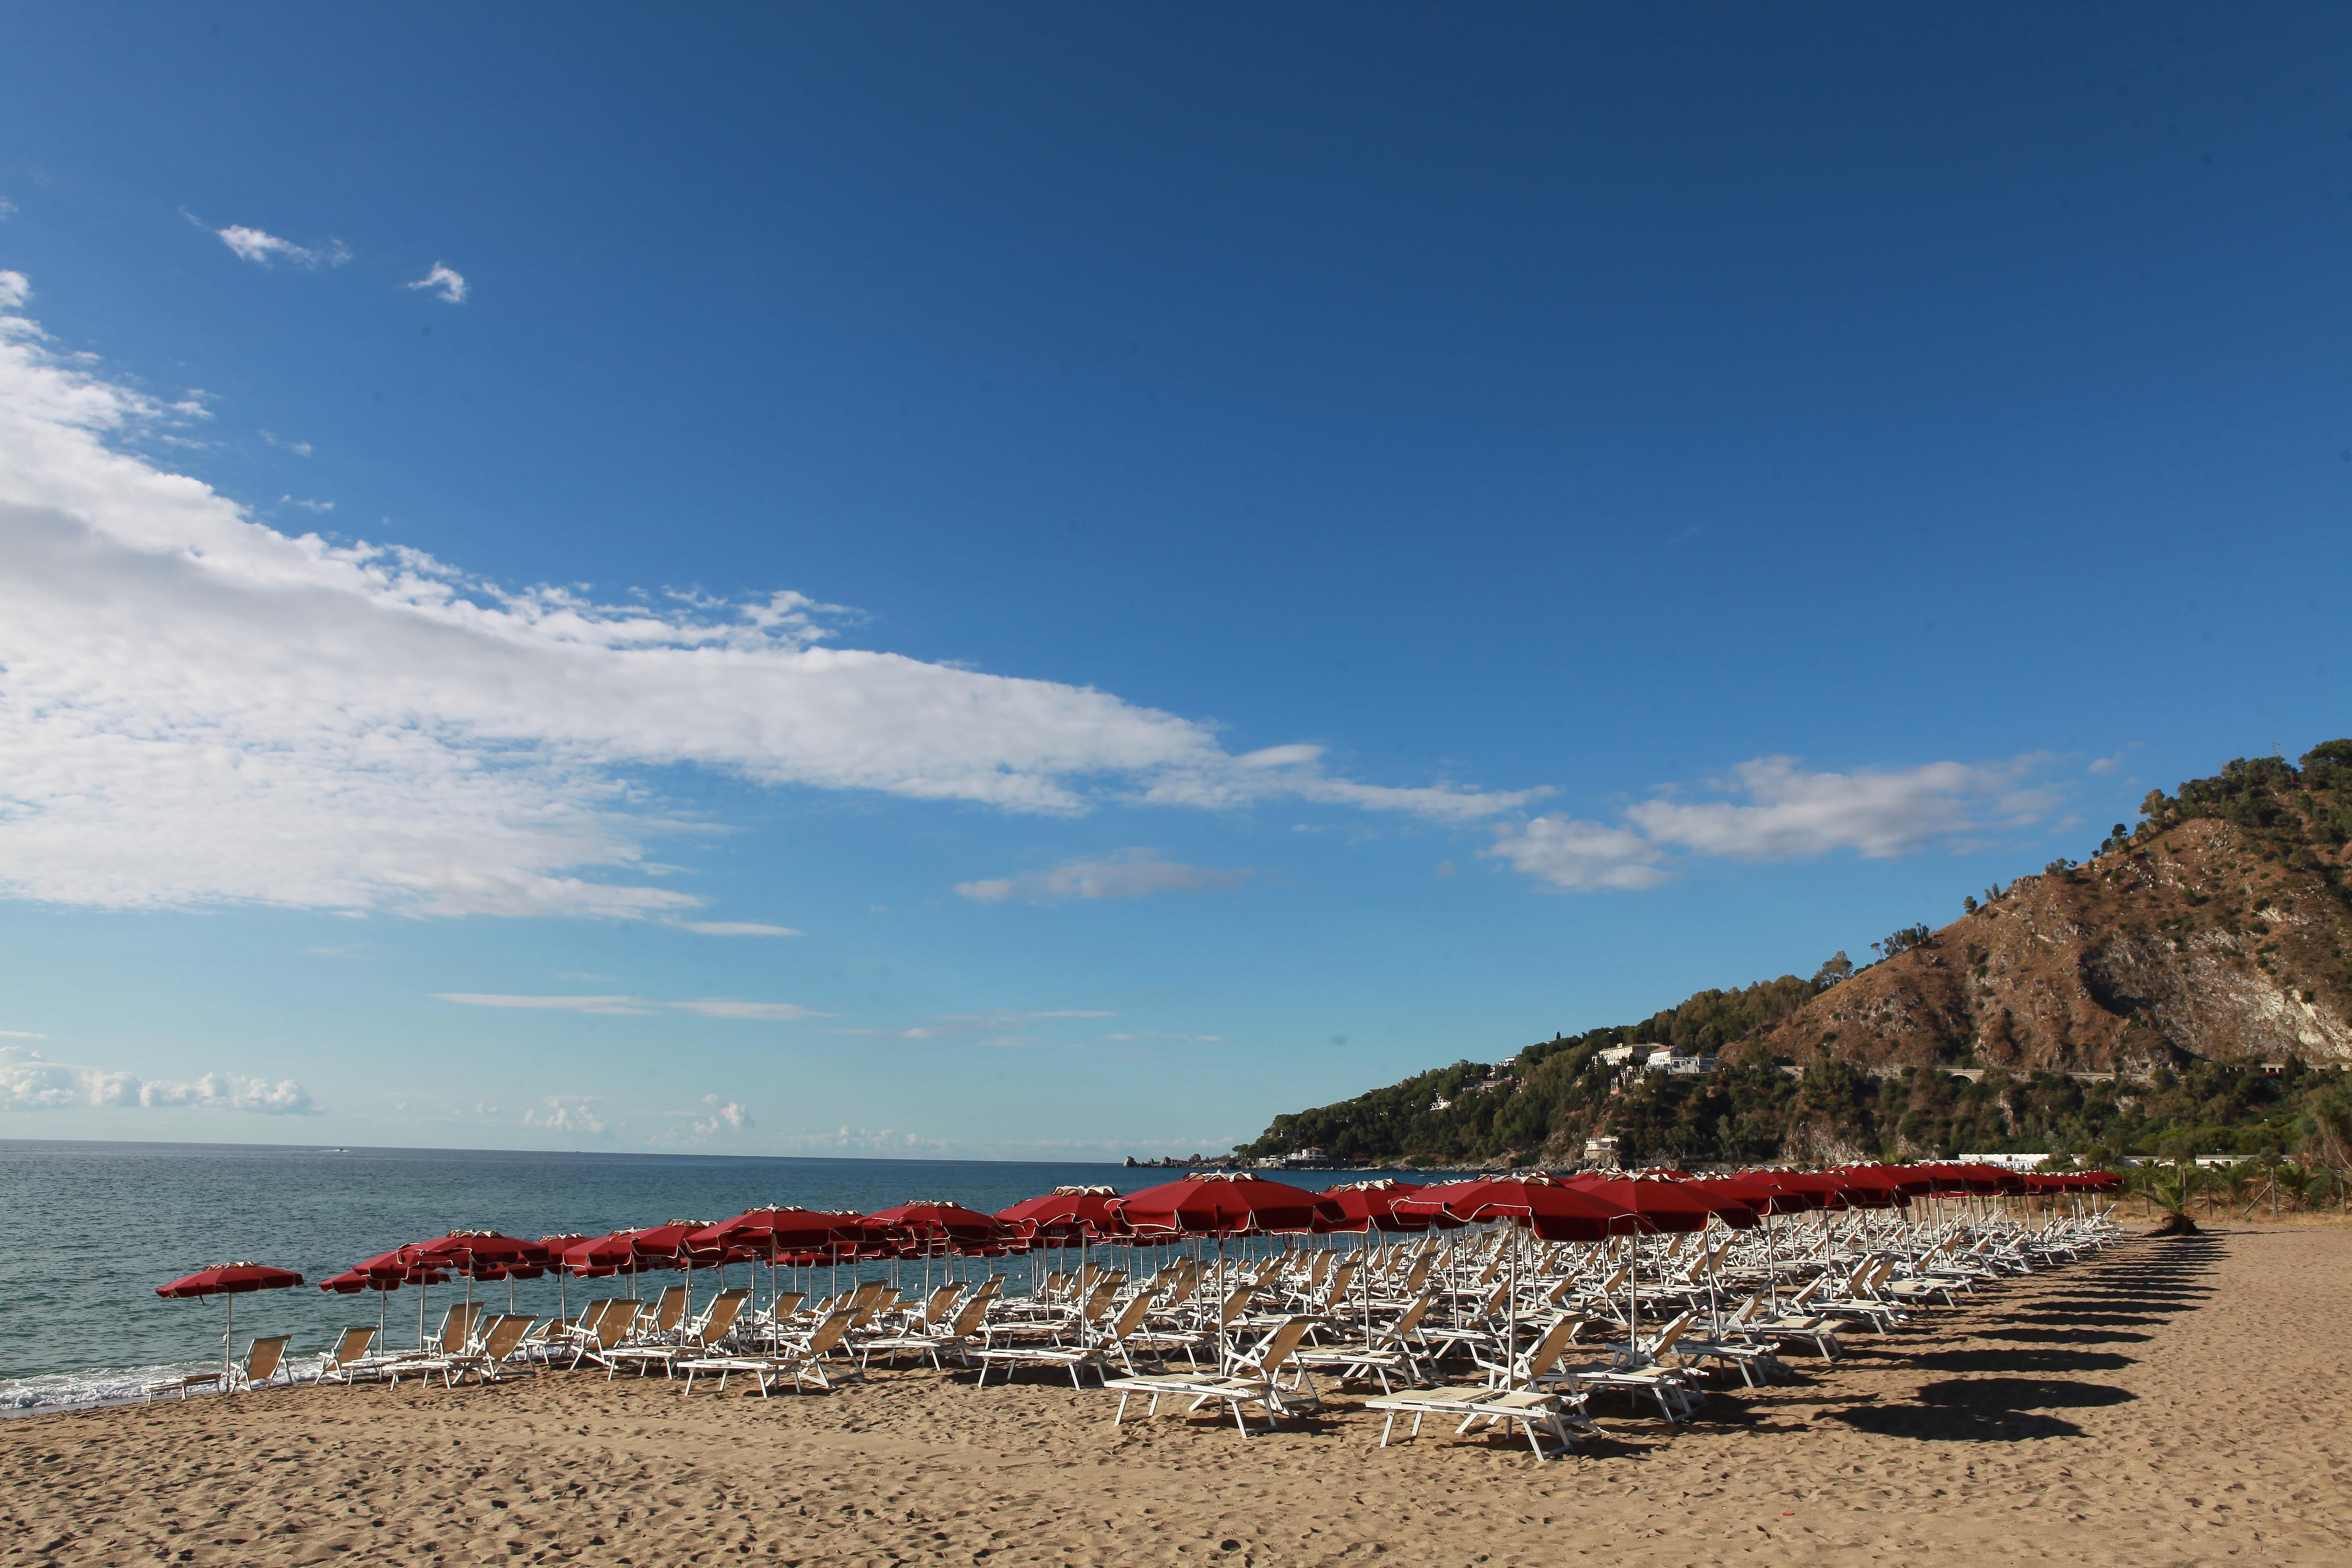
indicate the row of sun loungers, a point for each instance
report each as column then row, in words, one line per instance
column 1481, row 1331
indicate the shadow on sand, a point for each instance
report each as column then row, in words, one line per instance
column 2142, row 1286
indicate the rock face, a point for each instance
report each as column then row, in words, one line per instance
column 2197, row 938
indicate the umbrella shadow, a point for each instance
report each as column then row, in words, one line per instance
column 2069, row 1336
column 1985, row 1410
column 2042, row 1361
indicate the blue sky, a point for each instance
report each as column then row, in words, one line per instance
column 1198, row 560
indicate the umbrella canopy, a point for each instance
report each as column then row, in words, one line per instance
column 667, row 1244
column 1066, row 1216
column 1666, row 1204
column 351, row 1281
column 607, row 1255
column 1867, row 1187
column 1913, row 1179
column 482, row 1254
column 1762, row 1200
column 1736, row 1204
column 780, row 1228
column 1553, row 1210
column 1817, row 1192
column 931, row 1223
column 1371, row 1206
column 229, row 1279
column 1223, row 1203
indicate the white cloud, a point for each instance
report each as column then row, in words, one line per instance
column 28, row 1081
column 1585, row 855
column 307, row 505
column 446, row 282
column 1787, row 814
column 262, row 248
column 608, row 1005
column 759, row 1012
column 635, row 1007
column 15, row 289
column 1133, row 874
column 7, row 211
column 199, row 708
column 737, row 928
column 729, row 1115
column 1878, row 813
column 20, row 1035
column 565, row 1113
column 300, row 448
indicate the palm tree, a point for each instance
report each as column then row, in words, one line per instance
column 2170, row 1188
column 2229, row 1182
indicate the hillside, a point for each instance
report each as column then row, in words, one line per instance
column 2203, row 958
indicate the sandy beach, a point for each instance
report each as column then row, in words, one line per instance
column 2167, row 1403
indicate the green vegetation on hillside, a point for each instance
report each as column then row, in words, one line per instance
column 1542, row 1104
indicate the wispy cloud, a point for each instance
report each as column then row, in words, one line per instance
column 736, row 927
column 1777, row 810
column 300, row 448
column 759, row 1012
column 1790, row 813
column 1132, row 874
column 29, row 1082
column 444, row 282
column 263, row 249
column 438, row 745
column 307, row 505
column 608, row 1005
column 941, row 1026
column 637, row 1006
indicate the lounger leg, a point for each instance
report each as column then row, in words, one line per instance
column 1386, row 1427
column 1121, row 1414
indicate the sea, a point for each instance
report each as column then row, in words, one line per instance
column 93, row 1228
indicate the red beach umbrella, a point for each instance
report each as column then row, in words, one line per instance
column 604, row 1256
column 1372, row 1206
column 1820, row 1191
column 1912, row 1179
column 1762, row 1200
column 1222, row 1202
column 1554, row 1210
column 667, row 1245
column 1066, row 1216
column 478, row 1252
column 786, row 1228
column 936, row 1224
column 351, row 1281
column 1866, row 1187
column 1666, row 1204
column 230, row 1280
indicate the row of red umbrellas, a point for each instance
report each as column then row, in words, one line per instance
column 1209, row 1203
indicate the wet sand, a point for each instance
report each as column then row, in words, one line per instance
column 2168, row 1402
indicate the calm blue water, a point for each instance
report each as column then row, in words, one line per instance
column 94, row 1228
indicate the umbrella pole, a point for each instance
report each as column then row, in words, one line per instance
column 1511, row 1307
column 229, row 1342
column 1221, row 1344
